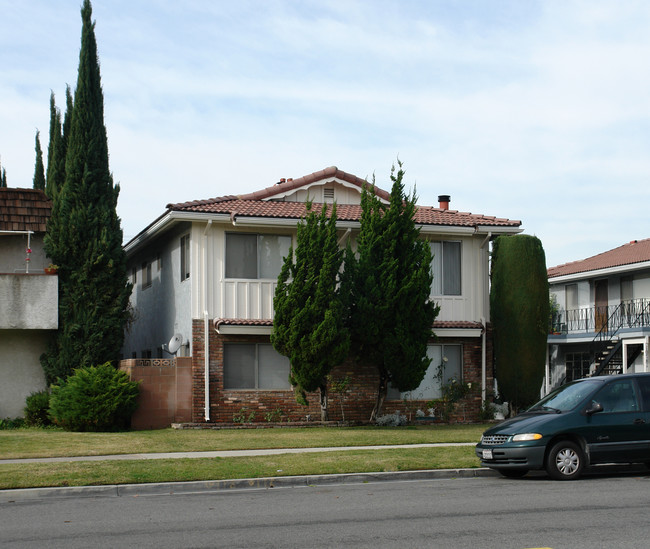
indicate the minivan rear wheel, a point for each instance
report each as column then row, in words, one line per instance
column 565, row 461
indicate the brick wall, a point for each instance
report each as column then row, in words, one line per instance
column 165, row 391
column 357, row 403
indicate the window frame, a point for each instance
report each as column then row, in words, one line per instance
column 258, row 259
column 227, row 346
column 445, row 291
column 185, row 257
column 147, row 275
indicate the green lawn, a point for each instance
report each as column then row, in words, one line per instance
column 31, row 443
column 23, row 443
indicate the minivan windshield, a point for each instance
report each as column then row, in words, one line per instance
column 566, row 397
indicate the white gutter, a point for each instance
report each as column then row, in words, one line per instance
column 484, row 362
column 206, row 314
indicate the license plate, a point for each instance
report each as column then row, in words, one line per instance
column 487, row 454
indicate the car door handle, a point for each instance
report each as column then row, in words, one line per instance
column 639, row 421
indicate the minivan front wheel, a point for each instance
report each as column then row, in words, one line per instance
column 565, row 461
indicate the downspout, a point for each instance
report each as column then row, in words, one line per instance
column 206, row 333
column 486, row 304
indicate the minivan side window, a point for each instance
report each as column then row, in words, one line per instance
column 618, row 396
column 644, row 385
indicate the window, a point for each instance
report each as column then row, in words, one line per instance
column 618, row 396
column 254, row 366
column 134, row 275
column 446, row 268
column 146, row 275
column 146, row 353
column 328, row 195
column 451, row 359
column 571, row 291
column 185, row 257
column 255, row 256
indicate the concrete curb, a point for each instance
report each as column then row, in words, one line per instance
column 207, row 486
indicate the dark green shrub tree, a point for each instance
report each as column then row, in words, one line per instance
column 519, row 305
column 388, row 283
column 84, row 234
column 308, row 325
column 95, row 398
column 39, row 169
column 36, row 410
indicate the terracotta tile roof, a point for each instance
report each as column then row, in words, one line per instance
column 439, row 324
column 636, row 251
column 257, row 205
column 24, row 210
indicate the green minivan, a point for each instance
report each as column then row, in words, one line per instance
column 595, row 420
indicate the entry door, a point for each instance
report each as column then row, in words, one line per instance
column 601, row 299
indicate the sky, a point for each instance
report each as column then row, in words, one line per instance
column 523, row 109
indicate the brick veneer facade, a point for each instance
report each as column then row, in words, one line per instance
column 357, row 403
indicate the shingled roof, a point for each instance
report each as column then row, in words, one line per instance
column 636, row 251
column 24, row 210
column 260, row 204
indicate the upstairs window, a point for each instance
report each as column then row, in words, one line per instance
column 446, row 268
column 185, row 257
column 146, row 275
column 255, row 256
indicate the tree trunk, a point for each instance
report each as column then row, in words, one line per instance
column 382, row 391
column 324, row 414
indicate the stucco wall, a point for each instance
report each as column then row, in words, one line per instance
column 163, row 308
column 13, row 253
column 20, row 368
column 29, row 301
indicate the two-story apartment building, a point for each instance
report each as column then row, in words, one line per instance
column 28, row 296
column 205, row 273
column 602, row 319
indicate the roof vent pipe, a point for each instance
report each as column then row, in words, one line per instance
column 444, row 200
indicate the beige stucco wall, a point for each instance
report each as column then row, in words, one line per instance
column 20, row 369
column 29, row 302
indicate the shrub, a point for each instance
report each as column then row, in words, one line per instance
column 37, row 409
column 97, row 398
column 392, row 420
column 11, row 423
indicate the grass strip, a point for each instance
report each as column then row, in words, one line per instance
column 174, row 470
column 32, row 443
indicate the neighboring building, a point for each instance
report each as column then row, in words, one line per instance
column 602, row 321
column 206, row 271
column 28, row 297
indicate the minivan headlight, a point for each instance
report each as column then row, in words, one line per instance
column 526, row 436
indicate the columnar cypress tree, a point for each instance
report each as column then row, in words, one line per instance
column 519, row 309
column 39, row 170
column 84, row 234
column 391, row 315
column 3, row 177
column 309, row 317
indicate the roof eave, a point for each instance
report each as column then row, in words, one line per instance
column 600, row 273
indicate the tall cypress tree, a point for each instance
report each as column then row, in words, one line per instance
column 39, row 170
column 519, row 307
column 3, row 177
column 391, row 315
column 84, row 233
column 308, row 326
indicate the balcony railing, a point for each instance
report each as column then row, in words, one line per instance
column 634, row 313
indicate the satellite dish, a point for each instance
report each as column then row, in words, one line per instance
column 175, row 343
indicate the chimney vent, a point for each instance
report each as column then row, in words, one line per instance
column 444, row 200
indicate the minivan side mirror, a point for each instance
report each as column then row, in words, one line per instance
column 593, row 408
